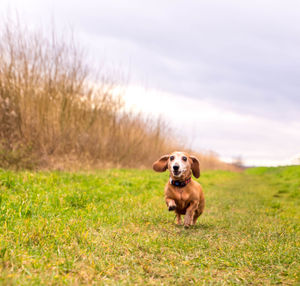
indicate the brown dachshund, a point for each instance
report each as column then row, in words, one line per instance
column 182, row 194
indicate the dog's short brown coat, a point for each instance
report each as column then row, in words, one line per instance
column 188, row 200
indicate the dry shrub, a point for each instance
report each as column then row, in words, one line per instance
column 51, row 116
column 50, row 112
column 211, row 161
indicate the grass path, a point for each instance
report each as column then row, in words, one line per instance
column 112, row 227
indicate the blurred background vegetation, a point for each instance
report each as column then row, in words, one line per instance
column 54, row 114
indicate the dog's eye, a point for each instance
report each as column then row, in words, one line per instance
column 184, row 158
column 172, row 158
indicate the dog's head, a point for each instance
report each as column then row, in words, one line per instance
column 180, row 165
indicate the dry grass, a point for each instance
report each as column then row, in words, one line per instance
column 211, row 161
column 51, row 116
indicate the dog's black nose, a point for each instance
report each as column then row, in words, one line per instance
column 175, row 167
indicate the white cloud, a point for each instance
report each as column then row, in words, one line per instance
column 258, row 140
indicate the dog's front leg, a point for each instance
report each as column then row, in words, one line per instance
column 171, row 204
column 178, row 216
column 190, row 211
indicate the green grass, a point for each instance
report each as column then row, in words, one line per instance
column 112, row 227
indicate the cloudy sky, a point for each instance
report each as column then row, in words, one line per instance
column 224, row 74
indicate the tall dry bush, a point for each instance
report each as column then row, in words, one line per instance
column 210, row 161
column 51, row 112
column 54, row 114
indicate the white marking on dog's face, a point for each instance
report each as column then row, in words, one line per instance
column 179, row 164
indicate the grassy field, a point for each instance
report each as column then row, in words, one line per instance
column 112, row 227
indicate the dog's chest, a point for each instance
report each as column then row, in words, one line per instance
column 181, row 196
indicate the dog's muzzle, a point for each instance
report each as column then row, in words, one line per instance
column 176, row 170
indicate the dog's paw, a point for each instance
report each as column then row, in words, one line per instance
column 172, row 208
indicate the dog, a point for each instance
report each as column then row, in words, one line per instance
column 182, row 194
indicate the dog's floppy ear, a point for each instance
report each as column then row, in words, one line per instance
column 161, row 165
column 195, row 167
